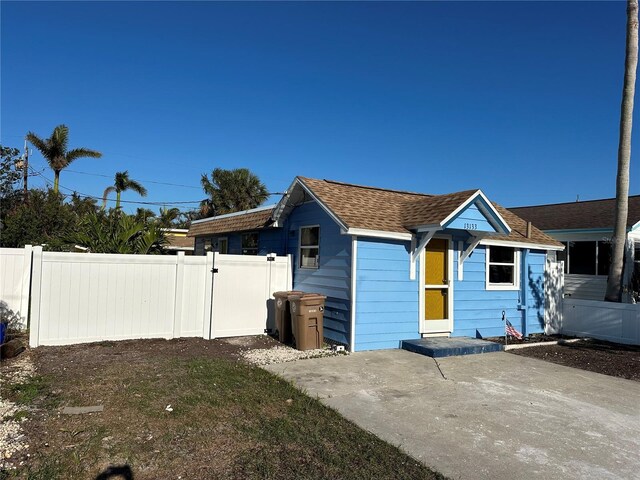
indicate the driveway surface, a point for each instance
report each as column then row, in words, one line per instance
column 494, row 415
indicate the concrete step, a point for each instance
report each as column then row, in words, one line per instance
column 450, row 346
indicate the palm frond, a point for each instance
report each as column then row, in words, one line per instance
column 106, row 193
column 137, row 187
column 81, row 153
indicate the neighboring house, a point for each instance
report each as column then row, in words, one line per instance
column 178, row 241
column 397, row 265
column 585, row 229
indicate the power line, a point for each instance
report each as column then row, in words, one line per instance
column 142, row 180
column 84, row 195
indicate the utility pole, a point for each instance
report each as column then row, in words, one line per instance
column 25, row 172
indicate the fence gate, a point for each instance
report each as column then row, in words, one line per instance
column 553, row 295
column 242, row 289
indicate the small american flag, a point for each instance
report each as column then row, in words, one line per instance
column 511, row 330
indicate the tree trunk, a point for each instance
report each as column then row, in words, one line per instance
column 56, row 181
column 614, row 282
column 117, row 199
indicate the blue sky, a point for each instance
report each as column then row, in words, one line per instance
column 519, row 99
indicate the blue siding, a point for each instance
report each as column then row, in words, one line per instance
column 386, row 299
column 473, row 215
column 269, row 241
column 333, row 277
column 479, row 311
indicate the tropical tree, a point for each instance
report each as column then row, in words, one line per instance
column 168, row 217
column 144, row 214
column 231, row 191
column 10, row 176
column 122, row 183
column 41, row 221
column 614, row 282
column 116, row 232
column 55, row 151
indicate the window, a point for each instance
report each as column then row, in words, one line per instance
column 582, row 258
column 223, row 245
column 587, row 257
column 250, row 243
column 309, row 246
column 502, row 268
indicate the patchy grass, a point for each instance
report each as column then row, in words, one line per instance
column 229, row 420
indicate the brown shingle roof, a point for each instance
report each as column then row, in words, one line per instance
column 578, row 215
column 364, row 207
column 240, row 222
column 371, row 208
column 177, row 242
column 394, row 211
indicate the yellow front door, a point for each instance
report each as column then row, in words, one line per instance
column 436, row 286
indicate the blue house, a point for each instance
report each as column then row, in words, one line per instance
column 397, row 265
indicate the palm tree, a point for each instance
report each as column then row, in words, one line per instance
column 614, row 282
column 143, row 214
column 168, row 216
column 231, row 191
column 121, row 184
column 54, row 150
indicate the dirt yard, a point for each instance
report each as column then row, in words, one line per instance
column 184, row 409
column 596, row 356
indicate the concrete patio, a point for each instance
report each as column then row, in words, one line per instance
column 496, row 415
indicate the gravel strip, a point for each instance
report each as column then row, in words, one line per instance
column 12, row 439
column 281, row 354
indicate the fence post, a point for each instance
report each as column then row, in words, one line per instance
column 26, row 283
column 36, row 294
column 207, row 320
column 178, row 295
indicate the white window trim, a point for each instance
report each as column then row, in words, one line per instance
column 516, row 271
column 300, row 247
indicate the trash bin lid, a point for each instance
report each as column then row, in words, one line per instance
column 286, row 293
column 308, row 297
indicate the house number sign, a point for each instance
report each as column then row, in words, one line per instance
column 470, row 226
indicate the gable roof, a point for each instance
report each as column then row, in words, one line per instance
column 394, row 211
column 578, row 215
column 358, row 207
column 254, row 219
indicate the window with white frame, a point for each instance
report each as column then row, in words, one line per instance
column 309, row 251
column 250, row 243
column 502, row 268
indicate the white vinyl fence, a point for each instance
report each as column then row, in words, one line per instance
column 15, row 279
column 88, row 297
column 614, row 322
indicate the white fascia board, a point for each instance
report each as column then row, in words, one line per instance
column 279, row 207
column 508, row 243
column 324, row 207
column 234, row 214
column 471, row 199
column 354, row 275
column 635, row 227
column 363, row 232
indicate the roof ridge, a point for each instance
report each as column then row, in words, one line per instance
column 367, row 187
column 571, row 203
